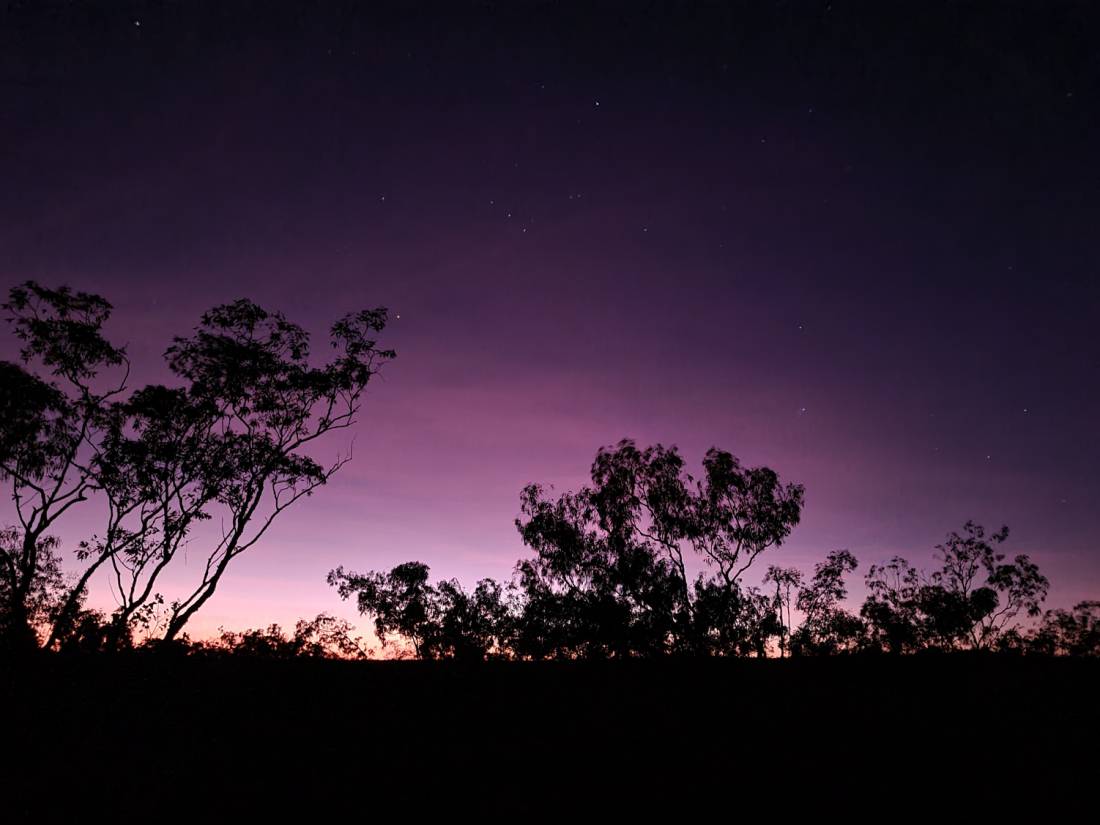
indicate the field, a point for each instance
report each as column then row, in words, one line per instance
column 147, row 736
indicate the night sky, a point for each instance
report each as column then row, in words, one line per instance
column 857, row 243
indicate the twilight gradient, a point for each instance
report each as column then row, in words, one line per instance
column 858, row 249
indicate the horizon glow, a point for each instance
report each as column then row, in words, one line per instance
column 895, row 307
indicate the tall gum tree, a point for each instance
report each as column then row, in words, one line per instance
column 51, row 432
column 230, row 442
column 265, row 405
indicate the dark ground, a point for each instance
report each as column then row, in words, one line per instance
column 138, row 738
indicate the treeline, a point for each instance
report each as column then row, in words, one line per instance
column 609, row 579
column 608, row 575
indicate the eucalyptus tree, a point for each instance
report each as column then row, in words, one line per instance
column 613, row 557
column 597, row 586
column 440, row 621
column 891, row 608
column 1073, row 632
column 609, row 575
column 826, row 626
column 159, row 472
column 974, row 600
column 248, row 372
column 787, row 581
column 983, row 592
column 230, row 441
column 51, row 432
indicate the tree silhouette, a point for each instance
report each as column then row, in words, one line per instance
column 248, row 372
column 51, row 432
column 159, row 471
column 323, row 637
column 232, row 441
column 977, row 611
column 609, row 576
column 786, row 580
column 399, row 601
column 733, row 620
column 594, row 589
column 439, row 622
column 29, row 599
column 891, row 609
column 971, row 602
column 1073, row 632
column 826, row 627
column 740, row 512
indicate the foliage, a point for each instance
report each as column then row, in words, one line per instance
column 40, row 600
column 231, row 442
column 733, row 620
column 608, row 578
column 323, row 637
column 248, row 373
column 592, row 589
column 971, row 602
column 826, row 627
column 51, row 432
column 1073, row 632
column 786, row 580
column 440, row 621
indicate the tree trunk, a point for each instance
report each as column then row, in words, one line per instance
column 16, row 633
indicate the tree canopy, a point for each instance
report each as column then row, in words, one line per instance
column 972, row 601
column 609, row 576
column 230, row 441
column 644, row 560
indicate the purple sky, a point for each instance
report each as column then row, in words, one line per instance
column 859, row 249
